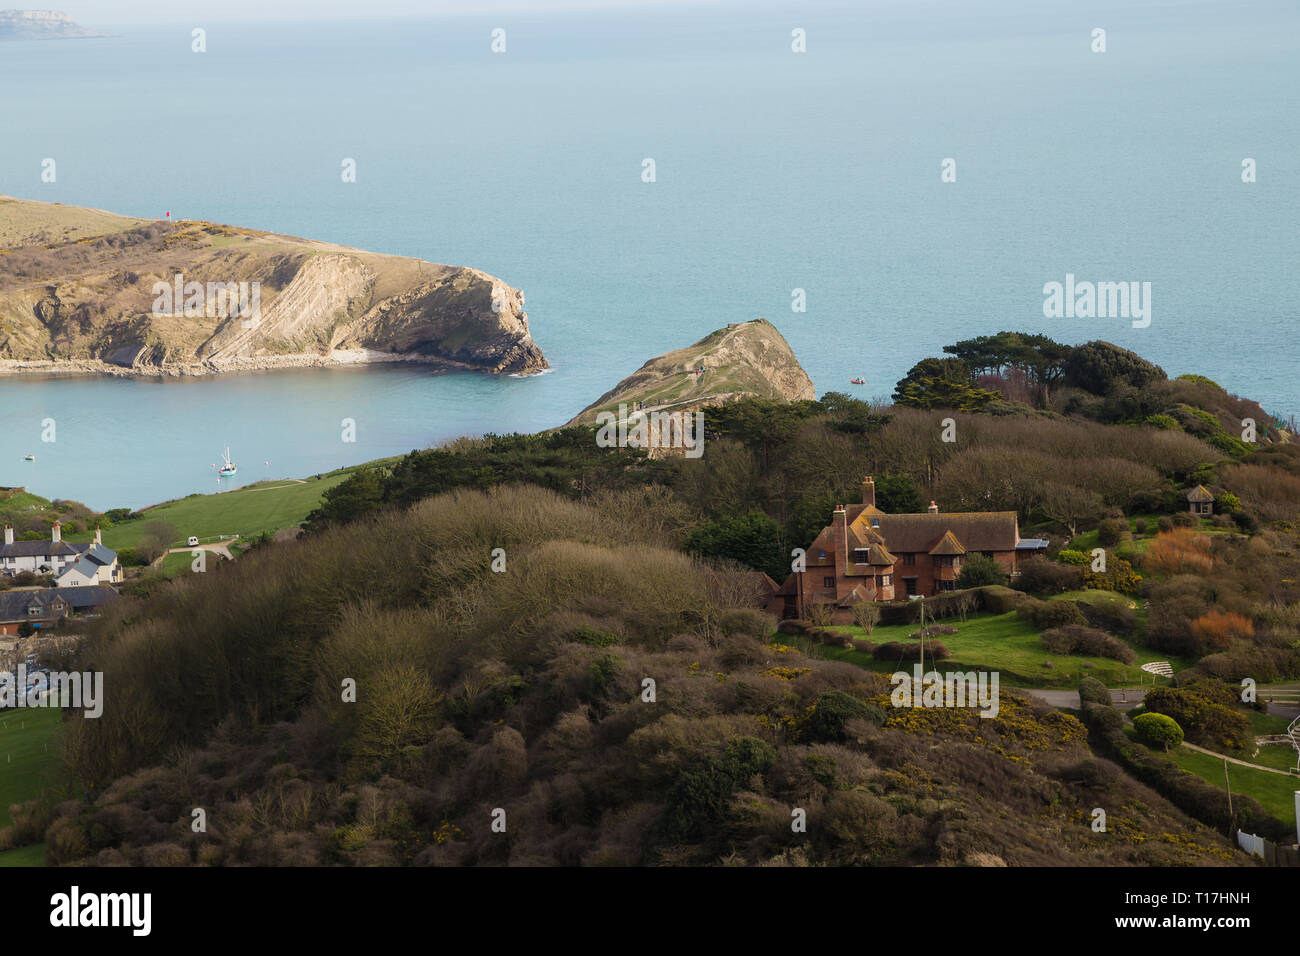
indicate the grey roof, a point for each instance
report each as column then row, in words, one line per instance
column 87, row 566
column 38, row 549
column 100, row 554
column 14, row 604
column 91, row 596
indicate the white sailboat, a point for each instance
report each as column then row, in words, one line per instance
column 228, row 467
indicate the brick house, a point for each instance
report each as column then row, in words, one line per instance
column 865, row 554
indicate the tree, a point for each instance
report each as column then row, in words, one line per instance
column 1099, row 367
column 753, row 539
column 1038, row 356
column 898, row 495
column 941, row 383
column 1157, row 730
column 157, row 539
column 979, row 571
column 1069, row 504
column 360, row 493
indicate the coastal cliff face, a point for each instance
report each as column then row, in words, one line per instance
column 746, row 359
column 85, row 291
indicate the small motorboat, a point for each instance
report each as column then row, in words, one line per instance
column 29, row 458
column 857, row 381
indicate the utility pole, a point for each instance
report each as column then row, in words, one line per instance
column 1229, row 783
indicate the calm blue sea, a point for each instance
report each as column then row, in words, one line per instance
column 775, row 171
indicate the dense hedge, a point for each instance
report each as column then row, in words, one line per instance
column 1184, row 790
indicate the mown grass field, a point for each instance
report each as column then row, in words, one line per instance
column 1272, row 790
column 266, row 506
column 1003, row 642
column 27, row 755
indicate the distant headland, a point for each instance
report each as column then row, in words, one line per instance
column 42, row 25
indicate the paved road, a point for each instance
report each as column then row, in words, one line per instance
column 221, row 548
column 1125, row 698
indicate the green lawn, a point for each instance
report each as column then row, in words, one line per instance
column 1005, row 643
column 33, row 855
column 1273, row 791
column 1088, row 539
column 265, row 506
column 26, row 754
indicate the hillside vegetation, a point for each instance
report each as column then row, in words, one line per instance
column 523, row 691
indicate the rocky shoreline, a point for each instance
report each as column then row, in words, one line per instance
column 340, row 358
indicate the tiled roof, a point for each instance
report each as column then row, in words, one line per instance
column 857, row 596
column 948, row 544
column 14, row 604
column 83, row 599
column 973, row 530
column 1200, row 494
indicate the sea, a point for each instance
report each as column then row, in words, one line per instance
column 878, row 179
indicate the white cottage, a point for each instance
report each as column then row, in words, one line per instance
column 87, row 562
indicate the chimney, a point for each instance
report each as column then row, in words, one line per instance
column 840, row 519
column 9, row 534
column 868, row 492
column 56, row 533
column 98, row 536
column 933, row 509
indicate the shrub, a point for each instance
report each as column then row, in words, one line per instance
column 1093, row 691
column 1047, row 614
column 1218, row 628
column 1118, row 576
column 1227, row 503
column 1111, row 531
column 1000, row 600
column 866, row 615
column 864, row 646
column 834, row 709
column 1110, row 614
column 820, row 613
column 1103, row 718
column 1140, row 526
column 1086, row 641
column 933, row 631
column 1076, row 558
column 980, row 571
column 1180, row 551
column 1203, row 719
column 1165, row 523
column 1157, row 730
column 701, row 795
column 1039, row 575
column 1163, row 422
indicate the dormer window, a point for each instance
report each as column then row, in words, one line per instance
column 860, row 556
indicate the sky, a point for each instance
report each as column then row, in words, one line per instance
column 95, row 12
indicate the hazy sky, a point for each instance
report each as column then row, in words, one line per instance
column 166, row 11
